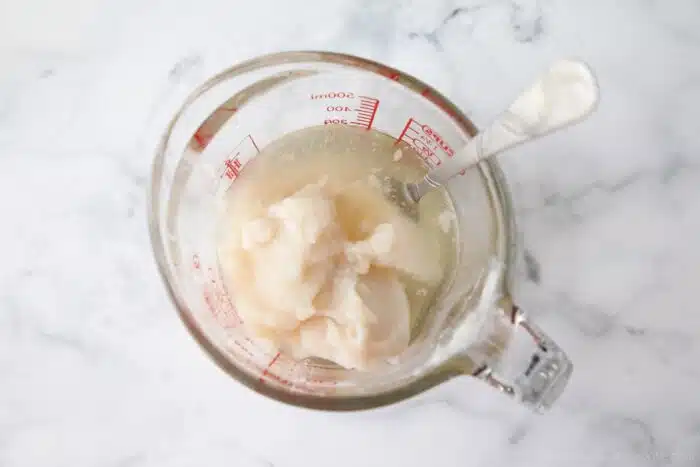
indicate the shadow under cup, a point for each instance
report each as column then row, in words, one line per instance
column 225, row 123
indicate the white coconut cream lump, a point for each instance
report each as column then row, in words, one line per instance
column 316, row 258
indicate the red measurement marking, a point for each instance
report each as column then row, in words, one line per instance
column 439, row 140
column 333, row 95
column 403, row 132
column 420, row 137
column 280, row 380
column 267, row 374
column 216, row 297
column 233, row 165
column 269, row 365
column 221, row 308
column 391, row 74
column 205, row 133
column 321, row 382
column 366, row 112
column 209, row 301
column 233, row 168
column 202, row 139
column 228, row 316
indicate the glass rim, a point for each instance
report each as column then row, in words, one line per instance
column 324, row 401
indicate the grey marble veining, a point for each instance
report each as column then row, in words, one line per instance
column 95, row 367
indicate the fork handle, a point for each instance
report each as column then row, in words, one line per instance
column 565, row 94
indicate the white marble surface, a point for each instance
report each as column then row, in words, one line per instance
column 95, row 367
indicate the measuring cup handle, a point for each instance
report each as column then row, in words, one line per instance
column 534, row 370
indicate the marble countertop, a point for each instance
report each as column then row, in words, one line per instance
column 95, row 367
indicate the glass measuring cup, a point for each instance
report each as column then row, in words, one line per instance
column 224, row 124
